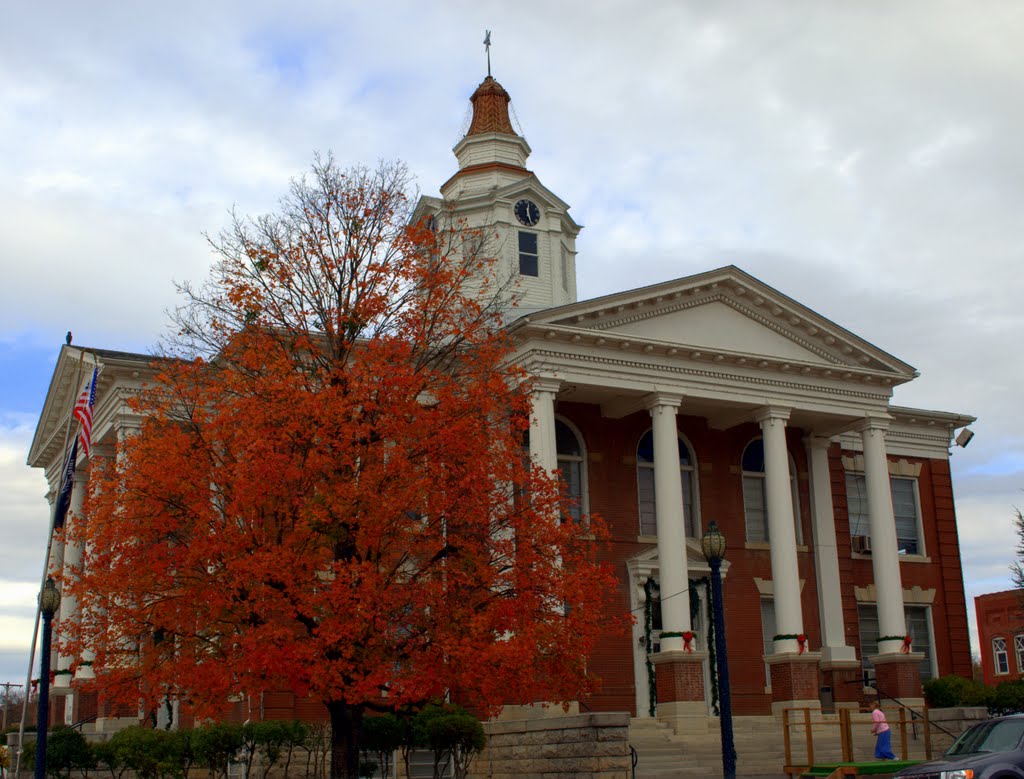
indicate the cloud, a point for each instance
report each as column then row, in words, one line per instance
column 864, row 159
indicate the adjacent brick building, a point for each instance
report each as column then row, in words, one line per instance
column 1000, row 618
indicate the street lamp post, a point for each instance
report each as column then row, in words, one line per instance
column 713, row 546
column 49, row 602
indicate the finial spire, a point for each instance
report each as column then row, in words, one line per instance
column 487, row 47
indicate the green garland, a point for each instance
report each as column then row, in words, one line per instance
column 712, row 653
column 783, row 636
column 650, row 587
column 892, row 638
column 652, row 691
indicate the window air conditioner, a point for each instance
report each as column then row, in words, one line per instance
column 862, row 544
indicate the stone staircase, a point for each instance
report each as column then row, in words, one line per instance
column 760, row 746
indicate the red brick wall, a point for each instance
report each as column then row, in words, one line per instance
column 942, row 573
column 795, row 681
column 611, row 447
column 680, row 680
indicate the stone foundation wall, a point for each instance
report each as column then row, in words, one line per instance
column 585, row 746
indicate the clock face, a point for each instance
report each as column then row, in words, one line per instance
column 527, row 212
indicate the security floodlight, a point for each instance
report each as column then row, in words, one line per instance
column 964, row 437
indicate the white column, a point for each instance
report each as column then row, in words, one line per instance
column 826, row 557
column 673, row 576
column 781, row 529
column 543, row 450
column 72, row 560
column 885, row 559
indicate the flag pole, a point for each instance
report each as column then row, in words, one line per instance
column 46, row 568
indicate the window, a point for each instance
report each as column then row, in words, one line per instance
column 918, row 628
column 529, row 261
column 904, row 508
column 645, row 487
column 768, row 631
column 1002, row 661
column 755, row 501
column 1018, row 648
column 571, row 462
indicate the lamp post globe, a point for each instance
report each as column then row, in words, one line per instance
column 49, row 602
column 713, row 545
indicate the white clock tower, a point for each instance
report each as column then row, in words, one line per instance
column 527, row 227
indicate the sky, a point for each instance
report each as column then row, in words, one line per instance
column 863, row 158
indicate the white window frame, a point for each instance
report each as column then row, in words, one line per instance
column 864, row 520
column 691, row 511
column 768, row 638
column 794, row 492
column 870, row 648
column 999, row 652
column 1018, row 648
column 584, row 497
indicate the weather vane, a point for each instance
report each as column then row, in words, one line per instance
column 487, row 47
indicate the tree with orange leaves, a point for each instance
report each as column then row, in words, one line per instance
column 328, row 491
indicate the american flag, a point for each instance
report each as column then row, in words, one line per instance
column 83, row 412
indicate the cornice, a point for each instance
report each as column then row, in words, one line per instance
column 766, row 366
column 534, row 359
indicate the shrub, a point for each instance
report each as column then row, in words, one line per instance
column 1008, row 698
column 67, row 751
column 953, row 690
column 143, row 750
column 380, row 737
column 216, row 746
column 460, row 735
column 452, row 733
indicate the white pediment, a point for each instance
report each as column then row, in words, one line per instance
column 725, row 312
column 718, row 326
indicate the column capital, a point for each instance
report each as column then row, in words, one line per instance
column 818, row 441
column 655, row 399
column 546, row 384
column 766, row 413
column 872, row 423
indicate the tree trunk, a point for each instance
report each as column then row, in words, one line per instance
column 346, row 722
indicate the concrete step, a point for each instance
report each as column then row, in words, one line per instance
column 759, row 746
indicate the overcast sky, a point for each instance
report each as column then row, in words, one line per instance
column 865, row 158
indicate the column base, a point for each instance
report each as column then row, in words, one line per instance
column 85, row 707
column 846, row 679
column 897, row 675
column 679, row 681
column 795, row 680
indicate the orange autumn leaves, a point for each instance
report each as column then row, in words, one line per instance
column 327, row 489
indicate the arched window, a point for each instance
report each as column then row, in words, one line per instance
column 755, row 502
column 645, row 487
column 1002, row 661
column 572, row 464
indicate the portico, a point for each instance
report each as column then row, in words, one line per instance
column 682, row 355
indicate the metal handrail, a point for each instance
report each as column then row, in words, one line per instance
column 634, row 759
column 914, row 713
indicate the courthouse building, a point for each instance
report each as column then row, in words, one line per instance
column 708, row 398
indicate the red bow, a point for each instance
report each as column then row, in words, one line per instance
column 907, row 641
column 802, row 641
column 688, row 640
